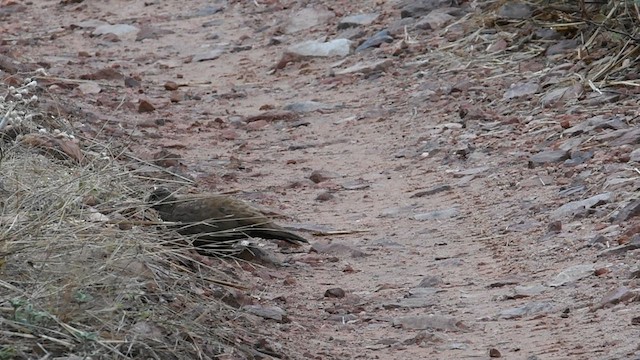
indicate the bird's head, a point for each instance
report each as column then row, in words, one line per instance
column 160, row 196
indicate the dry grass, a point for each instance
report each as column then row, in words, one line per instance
column 74, row 281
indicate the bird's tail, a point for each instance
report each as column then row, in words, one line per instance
column 276, row 234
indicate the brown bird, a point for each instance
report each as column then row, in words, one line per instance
column 217, row 218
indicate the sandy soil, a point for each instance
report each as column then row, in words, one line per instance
column 469, row 281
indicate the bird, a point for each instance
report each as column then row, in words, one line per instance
column 213, row 219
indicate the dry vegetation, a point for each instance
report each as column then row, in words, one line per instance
column 83, row 270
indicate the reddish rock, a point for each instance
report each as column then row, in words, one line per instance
column 145, row 106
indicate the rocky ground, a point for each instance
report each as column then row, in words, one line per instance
column 475, row 196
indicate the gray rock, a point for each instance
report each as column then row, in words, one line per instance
column 616, row 296
column 318, row 176
column 596, row 122
column 337, row 47
column 412, row 303
column 630, row 210
column 635, row 155
column 434, row 20
column 376, row 40
column 429, row 282
column 396, row 211
column 629, row 137
column 633, row 244
column 266, row 312
column 533, row 308
column 562, row 46
column 549, row 156
column 366, row 68
column 357, row 20
column 528, row 290
column 472, row 171
column 117, row 29
column 342, row 318
column 438, row 214
column 358, row 184
column 94, row 23
column 308, row 106
column 417, row 8
column 337, row 249
column 432, row 191
column 561, row 94
column 435, row 322
column 581, row 207
column 521, row 89
column 572, row 274
column 209, row 55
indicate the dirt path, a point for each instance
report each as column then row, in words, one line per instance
column 460, row 271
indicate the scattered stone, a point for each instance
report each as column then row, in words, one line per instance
column 337, row 47
column 209, row 55
column 595, row 122
column 176, row 96
column 435, row 322
column 117, row 29
column 515, row 11
column 620, row 295
column 376, row 40
column 628, row 137
column 419, row 8
column 438, row 214
column 554, row 227
column 366, row 68
column 343, row 318
column 267, row 312
column 131, row 82
column 523, row 291
column 581, row 207
column 521, row 89
column 434, row 20
column 578, row 157
column 430, row 281
column 503, row 283
column 171, row 85
column 412, row 303
column 150, row 32
column 633, row 244
column 424, row 338
column 546, row 157
column 561, row 47
column 334, row 293
column 432, row 191
column 103, row 74
column 325, row 196
column 572, row 274
column 533, row 308
column 337, row 249
column 357, row 184
column 561, row 94
column 89, row 87
column 473, row 171
column 494, row 353
column 145, row 106
column 318, row 176
column 308, row 106
column 274, row 115
column 357, row 20
column 635, row 155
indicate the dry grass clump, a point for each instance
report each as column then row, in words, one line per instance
column 83, row 273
